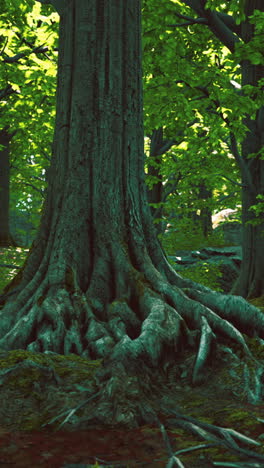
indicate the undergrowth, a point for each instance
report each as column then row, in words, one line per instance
column 204, row 273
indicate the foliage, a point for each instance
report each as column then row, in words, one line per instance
column 258, row 211
column 236, row 8
column 191, row 85
column 183, row 236
column 13, row 256
column 28, row 61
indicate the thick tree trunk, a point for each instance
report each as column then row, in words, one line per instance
column 96, row 282
column 5, row 236
column 251, row 279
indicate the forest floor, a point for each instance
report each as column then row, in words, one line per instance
column 31, row 396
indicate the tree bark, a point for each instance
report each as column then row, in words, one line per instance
column 205, row 218
column 5, row 236
column 96, row 282
column 251, row 279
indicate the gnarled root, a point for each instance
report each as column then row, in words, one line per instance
column 133, row 316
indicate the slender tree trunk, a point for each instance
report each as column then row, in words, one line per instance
column 156, row 192
column 96, row 282
column 205, row 218
column 5, row 236
column 251, row 279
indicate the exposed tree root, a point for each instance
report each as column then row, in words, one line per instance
column 135, row 317
column 215, row 436
column 225, row 437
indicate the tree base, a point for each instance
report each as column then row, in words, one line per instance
column 139, row 320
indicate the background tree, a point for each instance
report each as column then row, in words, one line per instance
column 96, row 282
column 185, row 71
column 27, row 81
column 245, row 41
column 5, row 236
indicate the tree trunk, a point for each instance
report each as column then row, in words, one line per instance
column 205, row 218
column 155, row 193
column 251, row 279
column 96, row 282
column 5, row 236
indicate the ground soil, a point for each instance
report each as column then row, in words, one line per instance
column 41, row 386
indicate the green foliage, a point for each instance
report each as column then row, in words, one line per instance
column 234, row 7
column 28, row 63
column 188, row 91
column 204, row 273
column 252, row 51
column 188, row 237
column 10, row 256
column 193, row 89
column 258, row 211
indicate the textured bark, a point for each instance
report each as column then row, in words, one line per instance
column 5, row 236
column 96, row 282
column 251, row 279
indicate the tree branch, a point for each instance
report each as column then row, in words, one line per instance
column 220, row 24
column 41, row 192
column 243, row 167
column 20, row 55
column 230, row 180
column 59, row 5
column 230, row 23
column 187, row 18
column 178, row 25
column 221, row 31
column 195, row 5
column 5, row 92
column 7, row 265
column 189, row 21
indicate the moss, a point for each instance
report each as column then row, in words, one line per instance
column 237, row 415
column 71, row 368
column 39, row 385
column 256, row 348
column 204, row 273
column 258, row 302
column 71, row 361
